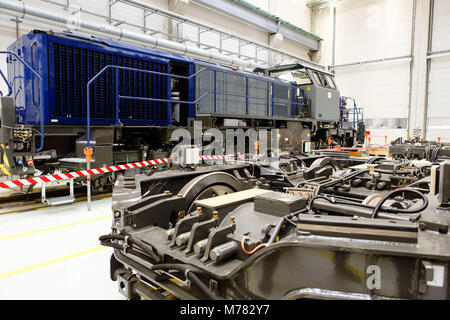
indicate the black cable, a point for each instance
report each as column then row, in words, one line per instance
column 190, row 275
column 401, row 191
column 134, row 241
column 354, row 174
column 373, row 160
column 128, row 250
column 383, row 209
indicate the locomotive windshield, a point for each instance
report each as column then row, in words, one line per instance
column 299, row 76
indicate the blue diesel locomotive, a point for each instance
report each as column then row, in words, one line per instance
column 137, row 96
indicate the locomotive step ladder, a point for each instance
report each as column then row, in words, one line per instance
column 58, row 200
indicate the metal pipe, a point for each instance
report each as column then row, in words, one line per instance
column 438, row 54
column 376, row 61
column 22, row 10
column 411, row 65
column 429, row 62
column 334, row 40
column 263, row 20
column 181, row 18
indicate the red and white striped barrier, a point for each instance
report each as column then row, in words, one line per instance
column 84, row 173
column 77, row 174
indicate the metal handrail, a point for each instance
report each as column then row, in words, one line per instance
column 23, row 61
column 356, row 112
column 215, row 93
column 7, row 83
column 41, row 107
column 117, row 68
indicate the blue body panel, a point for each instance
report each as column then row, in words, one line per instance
column 68, row 62
column 25, row 85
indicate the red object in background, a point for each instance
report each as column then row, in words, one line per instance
column 367, row 133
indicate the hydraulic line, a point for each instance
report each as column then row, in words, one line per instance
column 374, row 160
column 189, row 274
column 381, row 208
column 138, row 243
column 320, row 197
column 281, row 223
column 276, row 232
column 401, row 191
column 128, row 250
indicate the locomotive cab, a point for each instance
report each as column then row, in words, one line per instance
column 317, row 87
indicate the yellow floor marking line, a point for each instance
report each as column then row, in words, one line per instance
column 54, row 228
column 47, row 263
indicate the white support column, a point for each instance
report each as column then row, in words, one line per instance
column 325, row 27
column 419, row 79
column 275, row 41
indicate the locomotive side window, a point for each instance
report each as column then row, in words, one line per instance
column 324, row 80
column 330, row 82
column 318, row 79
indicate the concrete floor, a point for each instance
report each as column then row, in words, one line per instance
column 54, row 253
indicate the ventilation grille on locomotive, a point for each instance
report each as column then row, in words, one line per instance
column 74, row 67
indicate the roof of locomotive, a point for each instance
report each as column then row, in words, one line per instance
column 124, row 46
column 161, row 54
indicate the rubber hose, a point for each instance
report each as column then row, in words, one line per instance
column 400, row 191
column 189, row 273
column 129, row 250
column 145, row 247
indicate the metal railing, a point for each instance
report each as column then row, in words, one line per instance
column 356, row 114
column 206, row 36
column 7, row 84
column 214, row 92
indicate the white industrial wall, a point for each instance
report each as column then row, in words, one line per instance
column 438, row 117
column 294, row 11
column 368, row 30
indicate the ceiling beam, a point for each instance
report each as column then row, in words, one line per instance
column 263, row 20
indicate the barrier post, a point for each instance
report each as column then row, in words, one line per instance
column 88, row 151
